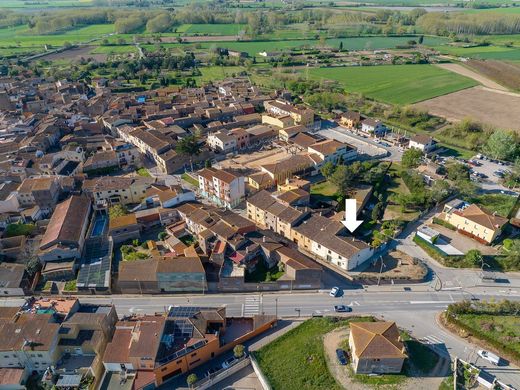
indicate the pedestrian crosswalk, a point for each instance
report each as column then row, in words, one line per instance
column 252, row 305
column 436, row 345
column 432, row 340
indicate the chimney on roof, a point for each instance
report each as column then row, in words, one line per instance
column 263, row 239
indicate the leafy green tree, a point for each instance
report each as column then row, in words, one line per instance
column 412, row 158
column 343, row 178
column 377, row 211
column 238, row 351
column 327, row 169
column 501, row 145
column 189, row 146
column 439, row 191
column 511, row 254
column 474, row 257
column 191, row 380
column 162, row 235
column 457, row 172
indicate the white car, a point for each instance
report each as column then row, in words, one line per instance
column 490, row 357
column 334, row 292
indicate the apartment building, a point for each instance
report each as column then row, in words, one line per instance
column 223, row 188
column 111, row 190
column 301, row 116
column 40, row 191
column 222, row 142
column 29, row 341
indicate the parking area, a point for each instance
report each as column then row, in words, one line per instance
column 488, row 173
column 367, row 146
column 461, row 242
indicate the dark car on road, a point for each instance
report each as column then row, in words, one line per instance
column 342, row 309
column 341, row 357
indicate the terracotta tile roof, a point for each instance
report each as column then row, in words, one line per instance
column 482, row 217
column 123, row 220
column 376, row 340
column 222, row 175
column 67, row 221
column 327, row 147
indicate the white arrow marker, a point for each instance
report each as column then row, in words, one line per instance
column 351, row 222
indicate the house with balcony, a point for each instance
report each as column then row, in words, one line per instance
column 221, row 187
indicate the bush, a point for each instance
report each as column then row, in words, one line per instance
column 442, row 222
column 19, row 229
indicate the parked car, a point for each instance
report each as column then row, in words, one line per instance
column 229, row 362
column 335, row 292
column 490, row 357
column 341, row 357
column 342, row 309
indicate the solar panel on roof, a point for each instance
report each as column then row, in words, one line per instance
column 186, row 311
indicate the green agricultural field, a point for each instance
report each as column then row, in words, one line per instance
column 361, row 43
column 211, row 29
column 44, row 4
column 398, row 84
column 483, row 52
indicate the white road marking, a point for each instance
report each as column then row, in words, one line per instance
column 428, row 302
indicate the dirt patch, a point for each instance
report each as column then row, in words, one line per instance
column 496, row 108
column 503, row 72
column 75, row 54
column 396, row 265
column 332, row 341
column 463, row 71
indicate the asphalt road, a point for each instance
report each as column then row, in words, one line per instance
column 414, row 310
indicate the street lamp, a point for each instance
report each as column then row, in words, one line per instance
column 140, row 288
column 276, row 307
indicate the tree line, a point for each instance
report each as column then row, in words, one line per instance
column 473, row 24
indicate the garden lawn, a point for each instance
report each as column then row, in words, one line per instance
column 397, row 84
column 501, row 204
column 296, row 360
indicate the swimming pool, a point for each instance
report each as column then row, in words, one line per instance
column 99, row 226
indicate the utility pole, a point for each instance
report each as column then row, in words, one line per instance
column 276, row 307
column 380, row 270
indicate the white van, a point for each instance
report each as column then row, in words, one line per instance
column 490, row 357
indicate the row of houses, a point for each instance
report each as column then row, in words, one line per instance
column 317, row 235
column 67, row 342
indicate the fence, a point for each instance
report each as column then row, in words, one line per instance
column 221, row 375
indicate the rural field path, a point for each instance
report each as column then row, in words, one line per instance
column 463, row 71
